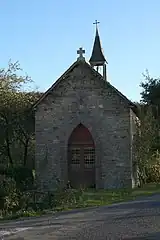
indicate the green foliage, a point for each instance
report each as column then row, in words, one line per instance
column 148, row 139
column 67, row 198
column 22, row 176
column 8, row 194
column 151, row 97
column 11, row 78
column 16, row 138
column 144, row 141
column 151, row 90
column 71, row 199
column 16, row 116
column 21, row 214
column 153, row 168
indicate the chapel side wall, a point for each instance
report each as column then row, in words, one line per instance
column 116, row 163
column 134, row 124
column 81, row 98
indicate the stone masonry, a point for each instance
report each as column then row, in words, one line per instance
column 82, row 96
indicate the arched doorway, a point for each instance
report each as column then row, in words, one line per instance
column 81, row 158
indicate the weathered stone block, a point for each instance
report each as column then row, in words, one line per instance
column 82, row 97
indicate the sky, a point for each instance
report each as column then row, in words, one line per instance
column 44, row 37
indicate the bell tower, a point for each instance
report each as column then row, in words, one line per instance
column 97, row 60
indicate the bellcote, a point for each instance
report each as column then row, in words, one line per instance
column 97, row 58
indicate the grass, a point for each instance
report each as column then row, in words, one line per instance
column 21, row 214
column 146, row 190
column 90, row 198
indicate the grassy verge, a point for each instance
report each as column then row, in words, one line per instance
column 92, row 198
column 21, row 214
column 89, row 198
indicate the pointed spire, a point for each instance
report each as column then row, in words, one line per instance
column 97, row 34
column 97, row 57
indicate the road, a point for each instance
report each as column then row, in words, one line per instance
column 134, row 220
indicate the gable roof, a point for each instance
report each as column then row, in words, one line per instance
column 96, row 74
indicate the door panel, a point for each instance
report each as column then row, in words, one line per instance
column 75, row 166
column 82, row 166
column 89, row 166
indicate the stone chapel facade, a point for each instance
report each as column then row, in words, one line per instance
column 84, row 129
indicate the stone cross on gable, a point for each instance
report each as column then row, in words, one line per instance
column 80, row 51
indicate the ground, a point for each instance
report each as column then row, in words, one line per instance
column 138, row 219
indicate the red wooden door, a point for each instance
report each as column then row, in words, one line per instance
column 81, row 158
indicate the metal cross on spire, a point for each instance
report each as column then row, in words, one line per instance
column 80, row 51
column 96, row 22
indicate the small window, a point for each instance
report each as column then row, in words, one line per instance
column 75, row 156
column 89, row 157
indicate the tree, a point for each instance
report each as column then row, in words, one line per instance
column 16, row 117
column 144, row 142
column 151, row 93
column 151, row 98
column 25, row 121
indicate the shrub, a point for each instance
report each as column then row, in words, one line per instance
column 68, row 198
column 23, row 176
column 8, row 194
column 153, row 168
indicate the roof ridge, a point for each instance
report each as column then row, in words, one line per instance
column 55, row 83
column 97, row 74
column 101, row 77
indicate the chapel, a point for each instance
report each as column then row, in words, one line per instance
column 84, row 129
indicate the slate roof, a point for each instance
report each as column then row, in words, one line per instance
column 97, row 57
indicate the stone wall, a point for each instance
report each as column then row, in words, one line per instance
column 134, row 123
column 83, row 98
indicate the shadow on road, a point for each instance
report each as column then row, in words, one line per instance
column 149, row 236
column 114, row 216
column 68, row 221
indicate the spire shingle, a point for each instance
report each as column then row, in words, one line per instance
column 97, row 57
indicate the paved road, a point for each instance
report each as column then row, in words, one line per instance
column 135, row 220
